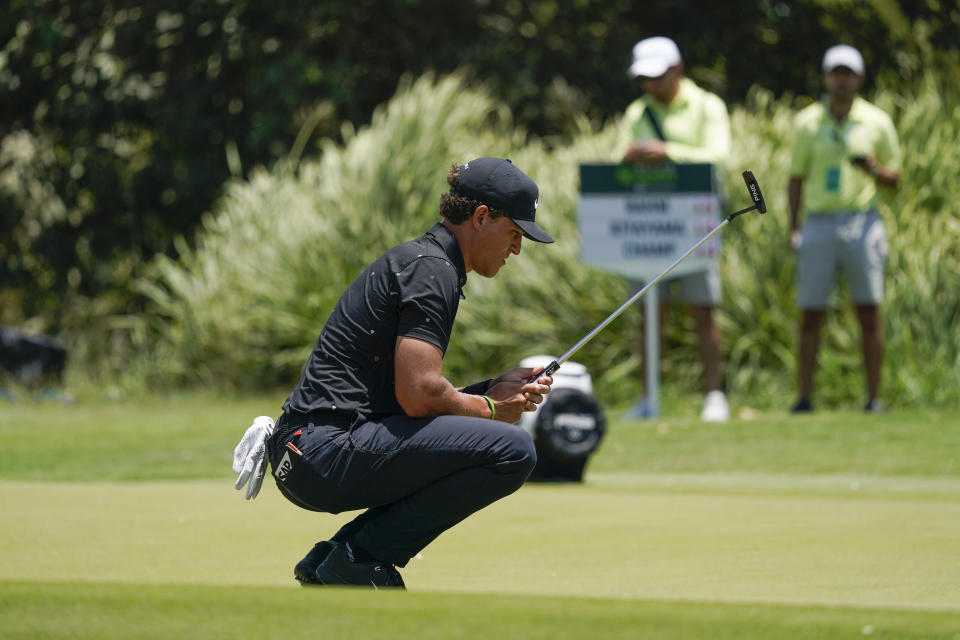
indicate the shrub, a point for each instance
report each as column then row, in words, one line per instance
column 245, row 306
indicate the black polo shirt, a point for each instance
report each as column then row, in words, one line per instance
column 412, row 290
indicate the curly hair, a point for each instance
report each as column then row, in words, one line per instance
column 455, row 207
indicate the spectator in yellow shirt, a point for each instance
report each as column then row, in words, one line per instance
column 845, row 147
column 677, row 121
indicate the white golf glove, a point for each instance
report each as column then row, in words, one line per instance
column 250, row 456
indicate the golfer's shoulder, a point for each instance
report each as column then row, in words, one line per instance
column 420, row 253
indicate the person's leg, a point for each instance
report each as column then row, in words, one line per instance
column 416, row 476
column 809, row 345
column 702, row 294
column 708, row 340
column 872, row 344
column 715, row 405
column 455, row 466
column 817, row 260
column 864, row 258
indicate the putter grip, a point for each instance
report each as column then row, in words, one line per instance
column 547, row 371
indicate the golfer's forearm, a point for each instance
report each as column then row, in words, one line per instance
column 437, row 397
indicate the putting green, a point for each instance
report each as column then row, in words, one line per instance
column 618, row 536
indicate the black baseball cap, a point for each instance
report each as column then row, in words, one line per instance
column 500, row 185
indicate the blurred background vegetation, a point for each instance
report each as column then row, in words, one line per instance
column 178, row 180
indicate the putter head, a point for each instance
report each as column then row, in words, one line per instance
column 754, row 188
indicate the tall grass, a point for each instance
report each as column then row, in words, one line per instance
column 246, row 304
column 923, row 313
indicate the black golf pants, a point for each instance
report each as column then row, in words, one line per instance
column 416, row 477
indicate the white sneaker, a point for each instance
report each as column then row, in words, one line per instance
column 715, row 407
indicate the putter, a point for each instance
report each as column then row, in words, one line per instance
column 755, row 194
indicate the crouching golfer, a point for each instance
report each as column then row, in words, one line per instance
column 374, row 425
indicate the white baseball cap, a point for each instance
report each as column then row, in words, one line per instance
column 843, row 55
column 653, row 56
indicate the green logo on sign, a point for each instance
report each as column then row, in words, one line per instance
column 627, row 175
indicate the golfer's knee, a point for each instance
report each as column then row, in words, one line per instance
column 521, row 456
column 529, row 451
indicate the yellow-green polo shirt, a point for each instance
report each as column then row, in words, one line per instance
column 695, row 124
column 823, row 148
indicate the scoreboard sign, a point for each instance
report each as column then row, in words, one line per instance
column 636, row 221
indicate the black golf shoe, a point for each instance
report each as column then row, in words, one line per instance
column 802, row 405
column 340, row 569
column 306, row 570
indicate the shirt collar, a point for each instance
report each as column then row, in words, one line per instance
column 448, row 242
column 854, row 115
column 685, row 92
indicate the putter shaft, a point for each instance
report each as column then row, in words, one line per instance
column 553, row 366
column 758, row 203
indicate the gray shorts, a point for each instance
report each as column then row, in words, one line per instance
column 852, row 243
column 701, row 289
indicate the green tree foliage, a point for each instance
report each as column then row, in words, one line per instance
column 246, row 305
column 121, row 120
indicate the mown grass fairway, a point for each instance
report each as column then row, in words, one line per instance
column 160, row 545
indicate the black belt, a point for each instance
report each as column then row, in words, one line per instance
column 288, row 423
column 319, row 416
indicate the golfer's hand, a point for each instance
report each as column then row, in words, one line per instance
column 514, row 392
column 250, row 456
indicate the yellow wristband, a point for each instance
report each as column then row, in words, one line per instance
column 493, row 412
